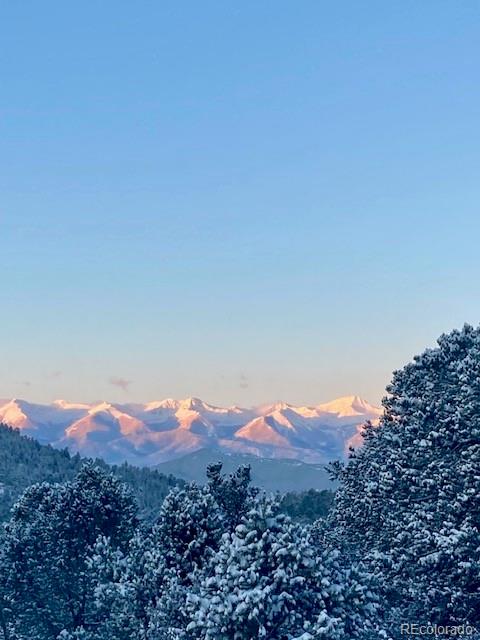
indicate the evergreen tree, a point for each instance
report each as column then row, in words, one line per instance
column 307, row 506
column 409, row 501
column 52, row 530
column 266, row 581
column 114, row 611
column 146, row 589
column 187, row 534
column 233, row 493
column 188, row 529
column 149, row 587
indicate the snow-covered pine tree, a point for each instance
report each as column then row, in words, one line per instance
column 266, row 581
column 136, row 594
column 409, row 500
column 186, row 535
column 233, row 493
column 188, row 529
column 114, row 610
column 52, row 530
column 146, row 588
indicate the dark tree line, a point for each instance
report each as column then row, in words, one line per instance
column 307, row 506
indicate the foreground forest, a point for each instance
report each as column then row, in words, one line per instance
column 401, row 543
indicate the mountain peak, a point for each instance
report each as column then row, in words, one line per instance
column 100, row 407
column 12, row 413
column 349, row 406
column 196, row 404
column 191, row 403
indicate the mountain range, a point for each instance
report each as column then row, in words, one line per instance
column 159, row 432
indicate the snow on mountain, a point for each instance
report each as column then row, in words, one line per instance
column 348, row 406
column 12, row 413
column 156, row 432
column 263, row 430
column 64, row 404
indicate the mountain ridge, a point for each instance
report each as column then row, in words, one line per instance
column 159, row 431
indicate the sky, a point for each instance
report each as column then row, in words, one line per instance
column 244, row 202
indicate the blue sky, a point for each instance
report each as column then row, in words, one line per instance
column 239, row 201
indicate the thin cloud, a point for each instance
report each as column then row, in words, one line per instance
column 121, row 383
column 243, row 381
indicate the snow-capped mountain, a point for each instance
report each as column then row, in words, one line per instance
column 156, row 432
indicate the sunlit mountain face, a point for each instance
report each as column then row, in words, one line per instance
column 156, row 432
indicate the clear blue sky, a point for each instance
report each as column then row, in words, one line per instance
column 244, row 201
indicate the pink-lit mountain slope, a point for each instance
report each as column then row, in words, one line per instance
column 149, row 434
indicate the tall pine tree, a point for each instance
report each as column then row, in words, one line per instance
column 409, row 500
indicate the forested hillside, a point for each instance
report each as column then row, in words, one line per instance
column 24, row 462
